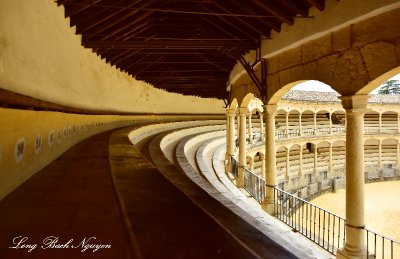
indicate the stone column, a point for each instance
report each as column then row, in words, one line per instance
column 315, row 123
column 380, row 154
column 227, row 134
column 270, row 157
column 380, row 122
column 262, row 165
column 250, row 130
column 315, row 159
column 300, row 126
column 301, row 162
column 230, row 135
column 330, row 123
column 398, row 154
column 237, row 126
column 398, row 123
column 330, row 168
column 355, row 246
column 251, row 162
column 261, row 126
column 287, row 124
column 287, row 164
column 242, row 147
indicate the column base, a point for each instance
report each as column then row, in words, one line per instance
column 346, row 254
column 268, row 207
column 240, row 177
column 228, row 165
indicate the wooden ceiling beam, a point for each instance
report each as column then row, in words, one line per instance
column 118, row 17
column 277, row 13
column 182, row 62
column 241, row 20
column 219, row 66
column 76, row 9
column 265, row 22
column 219, row 27
column 133, row 25
column 183, row 71
column 104, row 16
column 172, row 44
column 234, row 26
column 184, row 78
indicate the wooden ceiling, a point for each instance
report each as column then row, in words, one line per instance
column 182, row 46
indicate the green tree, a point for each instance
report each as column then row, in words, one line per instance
column 390, row 87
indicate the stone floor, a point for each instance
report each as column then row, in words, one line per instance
column 72, row 198
column 135, row 209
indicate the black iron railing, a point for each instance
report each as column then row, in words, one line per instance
column 379, row 246
column 326, row 228
column 254, row 185
column 234, row 169
column 319, row 225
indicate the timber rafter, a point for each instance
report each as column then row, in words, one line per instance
column 181, row 45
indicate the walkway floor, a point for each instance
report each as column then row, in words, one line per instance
column 74, row 198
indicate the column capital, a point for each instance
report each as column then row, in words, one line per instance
column 355, row 103
column 230, row 112
column 243, row 111
column 270, row 109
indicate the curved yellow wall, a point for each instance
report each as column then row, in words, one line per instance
column 19, row 161
column 40, row 56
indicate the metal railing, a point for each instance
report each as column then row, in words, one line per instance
column 379, row 246
column 319, row 225
column 297, row 133
column 325, row 228
column 234, row 167
column 254, row 185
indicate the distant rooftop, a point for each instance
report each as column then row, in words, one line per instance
column 313, row 96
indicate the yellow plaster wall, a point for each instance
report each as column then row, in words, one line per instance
column 67, row 129
column 40, row 56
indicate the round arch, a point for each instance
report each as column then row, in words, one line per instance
column 246, row 100
column 252, row 103
column 373, row 84
column 234, row 104
column 277, row 96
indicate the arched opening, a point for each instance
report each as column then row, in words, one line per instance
column 389, row 121
column 323, row 122
column 338, row 158
column 280, row 124
column 372, row 157
column 323, row 160
column 371, row 122
column 375, row 85
column 338, row 120
column 250, row 162
column 294, row 123
column 388, row 157
column 294, row 165
column 308, row 121
column 308, row 158
column 281, row 154
column 298, row 87
column 258, row 158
